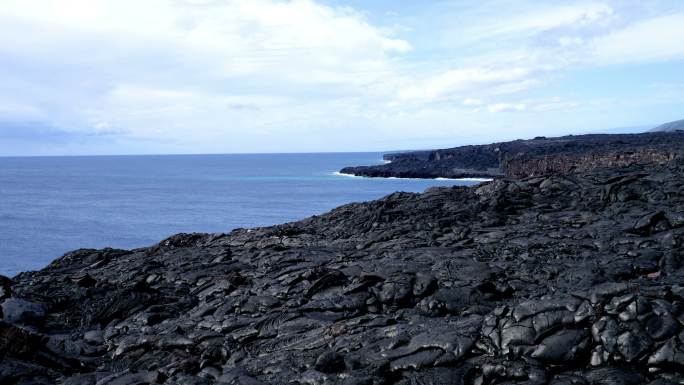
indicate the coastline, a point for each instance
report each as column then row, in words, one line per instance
column 128, row 202
column 338, row 173
column 441, row 286
column 531, row 157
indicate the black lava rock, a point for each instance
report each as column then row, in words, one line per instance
column 20, row 312
column 330, row 362
column 534, row 157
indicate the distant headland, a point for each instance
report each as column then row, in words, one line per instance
column 533, row 157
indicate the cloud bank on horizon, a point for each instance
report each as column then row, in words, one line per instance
column 207, row 76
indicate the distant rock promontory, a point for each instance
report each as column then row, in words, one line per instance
column 524, row 158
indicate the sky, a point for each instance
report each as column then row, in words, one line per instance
column 88, row 77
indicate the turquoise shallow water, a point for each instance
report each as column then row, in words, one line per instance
column 50, row 205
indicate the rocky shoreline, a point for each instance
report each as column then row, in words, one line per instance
column 566, row 278
column 533, row 157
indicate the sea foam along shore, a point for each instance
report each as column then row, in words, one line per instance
column 337, row 173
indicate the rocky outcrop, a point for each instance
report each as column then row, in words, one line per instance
column 573, row 278
column 524, row 166
column 526, row 158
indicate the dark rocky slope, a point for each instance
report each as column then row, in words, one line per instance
column 671, row 126
column 524, row 158
column 563, row 279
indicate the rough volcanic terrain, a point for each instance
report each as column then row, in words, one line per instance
column 573, row 278
column 534, row 157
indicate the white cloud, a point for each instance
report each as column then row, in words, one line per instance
column 515, row 21
column 472, row 102
column 555, row 104
column 506, row 107
column 458, row 81
column 158, row 65
column 514, row 49
column 241, row 37
column 655, row 39
column 246, row 73
column 136, row 94
column 14, row 111
column 553, row 17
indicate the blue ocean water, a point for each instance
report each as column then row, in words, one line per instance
column 51, row 205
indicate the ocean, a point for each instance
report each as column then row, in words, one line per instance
column 51, row 205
